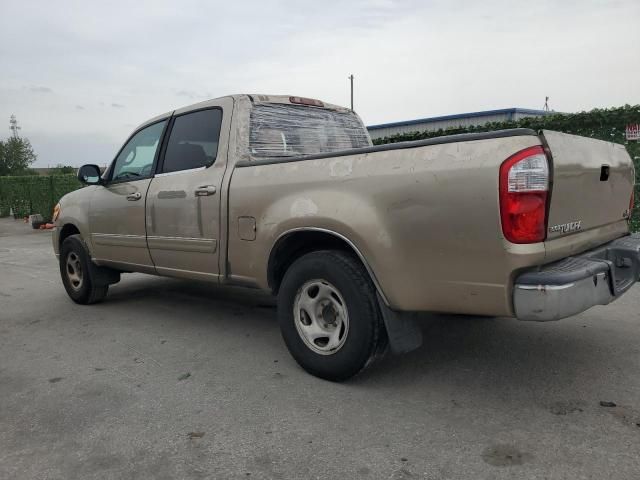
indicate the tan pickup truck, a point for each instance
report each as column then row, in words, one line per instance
column 288, row 195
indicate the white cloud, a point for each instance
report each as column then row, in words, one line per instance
column 40, row 90
column 410, row 59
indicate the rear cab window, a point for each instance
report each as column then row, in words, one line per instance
column 193, row 141
column 281, row 130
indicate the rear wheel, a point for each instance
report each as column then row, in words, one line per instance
column 79, row 274
column 329, row 315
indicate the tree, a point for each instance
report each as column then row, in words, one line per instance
column 16, row 154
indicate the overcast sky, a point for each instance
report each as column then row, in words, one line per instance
column 80, row 76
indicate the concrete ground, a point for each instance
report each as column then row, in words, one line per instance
column 174, row 379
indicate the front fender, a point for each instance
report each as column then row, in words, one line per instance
column 74, row 210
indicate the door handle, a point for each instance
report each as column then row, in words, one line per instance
column 132, row 197
column 205, row 190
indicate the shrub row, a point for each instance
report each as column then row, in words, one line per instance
column 34, row 194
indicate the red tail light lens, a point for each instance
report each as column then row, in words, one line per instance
column 524, row 186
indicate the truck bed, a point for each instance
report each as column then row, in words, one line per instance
column 423, row 214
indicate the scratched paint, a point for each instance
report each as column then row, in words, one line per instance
column 341, row 167
column 303, row 207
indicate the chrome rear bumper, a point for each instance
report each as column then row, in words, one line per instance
column 574, row 284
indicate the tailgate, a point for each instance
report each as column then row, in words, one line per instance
column 592, row 184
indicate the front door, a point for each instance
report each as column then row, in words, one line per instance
column 183, row 203
column 117, row 212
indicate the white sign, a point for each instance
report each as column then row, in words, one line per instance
column 633, row 131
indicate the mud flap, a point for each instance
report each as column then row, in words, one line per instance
column 102, row 276
column 403, row 330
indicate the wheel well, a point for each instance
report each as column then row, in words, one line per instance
column 68, row 230
column 296, row 244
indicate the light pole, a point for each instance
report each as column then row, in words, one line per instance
column 13, row 126
column 351, row 79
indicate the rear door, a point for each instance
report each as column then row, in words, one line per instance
column 183, row 203
column 592, row 184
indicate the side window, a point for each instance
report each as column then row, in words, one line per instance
column 193, row 141
column 135, row 160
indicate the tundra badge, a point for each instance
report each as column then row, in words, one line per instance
column 566, row 227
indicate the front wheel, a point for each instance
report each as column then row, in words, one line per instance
column 79, row 274
column 329, row 315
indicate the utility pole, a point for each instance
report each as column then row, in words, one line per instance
column 13, row 126
column 351, row 79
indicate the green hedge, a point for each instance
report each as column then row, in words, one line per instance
column 34, row 194
column 604, row 124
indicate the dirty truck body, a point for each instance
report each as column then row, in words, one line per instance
column 290, row 191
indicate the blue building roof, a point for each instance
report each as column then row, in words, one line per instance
column 502, row 111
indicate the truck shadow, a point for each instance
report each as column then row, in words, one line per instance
column 501, row 353
column 478, row 352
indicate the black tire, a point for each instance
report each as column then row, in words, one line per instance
column 87, row 290
column 365, row 339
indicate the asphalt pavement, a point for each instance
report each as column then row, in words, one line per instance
column 176, row 379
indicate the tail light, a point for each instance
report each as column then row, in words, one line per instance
column 524, row 187
column 306, row 101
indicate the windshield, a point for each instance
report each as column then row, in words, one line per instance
column 280, row 130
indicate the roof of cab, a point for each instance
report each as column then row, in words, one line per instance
column 254, row 98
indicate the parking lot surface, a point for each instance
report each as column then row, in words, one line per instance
column 175, row 379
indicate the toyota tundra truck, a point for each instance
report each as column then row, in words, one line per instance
column 287, row 194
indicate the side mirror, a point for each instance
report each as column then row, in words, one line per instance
column 89, row 175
